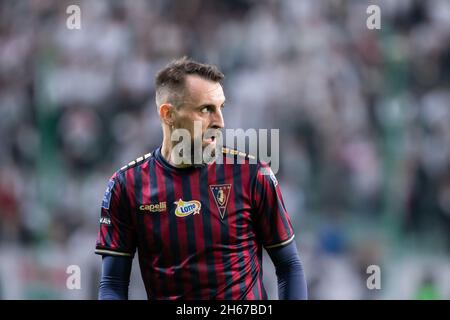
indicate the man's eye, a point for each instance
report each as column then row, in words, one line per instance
column 204, row 110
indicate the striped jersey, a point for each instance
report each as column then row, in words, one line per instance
column 198, row 231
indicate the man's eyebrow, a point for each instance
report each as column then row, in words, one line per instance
column 209, row 105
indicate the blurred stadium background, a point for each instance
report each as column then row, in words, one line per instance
column 364, row 119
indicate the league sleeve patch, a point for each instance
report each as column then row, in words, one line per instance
column 274, row 179
column 107, row 196
column 268, row 171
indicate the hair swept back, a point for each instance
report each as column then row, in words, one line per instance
column 170, row 81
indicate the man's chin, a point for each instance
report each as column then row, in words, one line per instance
column 209, row 150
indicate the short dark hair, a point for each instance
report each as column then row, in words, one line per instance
column 170, row 80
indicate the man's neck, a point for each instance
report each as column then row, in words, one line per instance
column 166, row 153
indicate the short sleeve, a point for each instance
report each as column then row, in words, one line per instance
column 116, row 235
column 273, row 225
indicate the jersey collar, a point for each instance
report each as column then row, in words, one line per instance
column 159, row 157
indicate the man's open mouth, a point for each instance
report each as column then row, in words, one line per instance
column 210, row 139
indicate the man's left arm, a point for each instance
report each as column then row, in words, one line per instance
column 275, row 231
column 289, row 269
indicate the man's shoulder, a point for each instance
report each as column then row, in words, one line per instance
column 235, row 157
column 232, row 156
column 233, row 153
column 136, row 162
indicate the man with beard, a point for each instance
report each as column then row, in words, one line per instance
column 199, row 223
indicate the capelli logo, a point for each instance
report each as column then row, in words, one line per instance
column 154, row 207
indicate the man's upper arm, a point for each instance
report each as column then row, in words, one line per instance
column 116, row 235
column 273, row 225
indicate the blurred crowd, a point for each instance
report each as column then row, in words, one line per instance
column 363, row 116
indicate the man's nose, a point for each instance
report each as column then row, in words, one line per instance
column 217, row 119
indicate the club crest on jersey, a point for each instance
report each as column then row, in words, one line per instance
column 186, row 208
column 221, row 193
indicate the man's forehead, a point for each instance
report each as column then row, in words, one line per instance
column 200, row 91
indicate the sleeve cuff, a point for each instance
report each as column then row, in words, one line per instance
column 281, row 243
column 112, row 253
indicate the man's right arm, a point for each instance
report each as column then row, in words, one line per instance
column 116, row 241
column 115, row 278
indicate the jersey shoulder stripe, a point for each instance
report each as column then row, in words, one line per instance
column 135, row 162
column 233, row 152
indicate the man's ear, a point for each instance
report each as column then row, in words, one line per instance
column 166, row 113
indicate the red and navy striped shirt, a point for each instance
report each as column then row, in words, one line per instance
column 199, row 231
